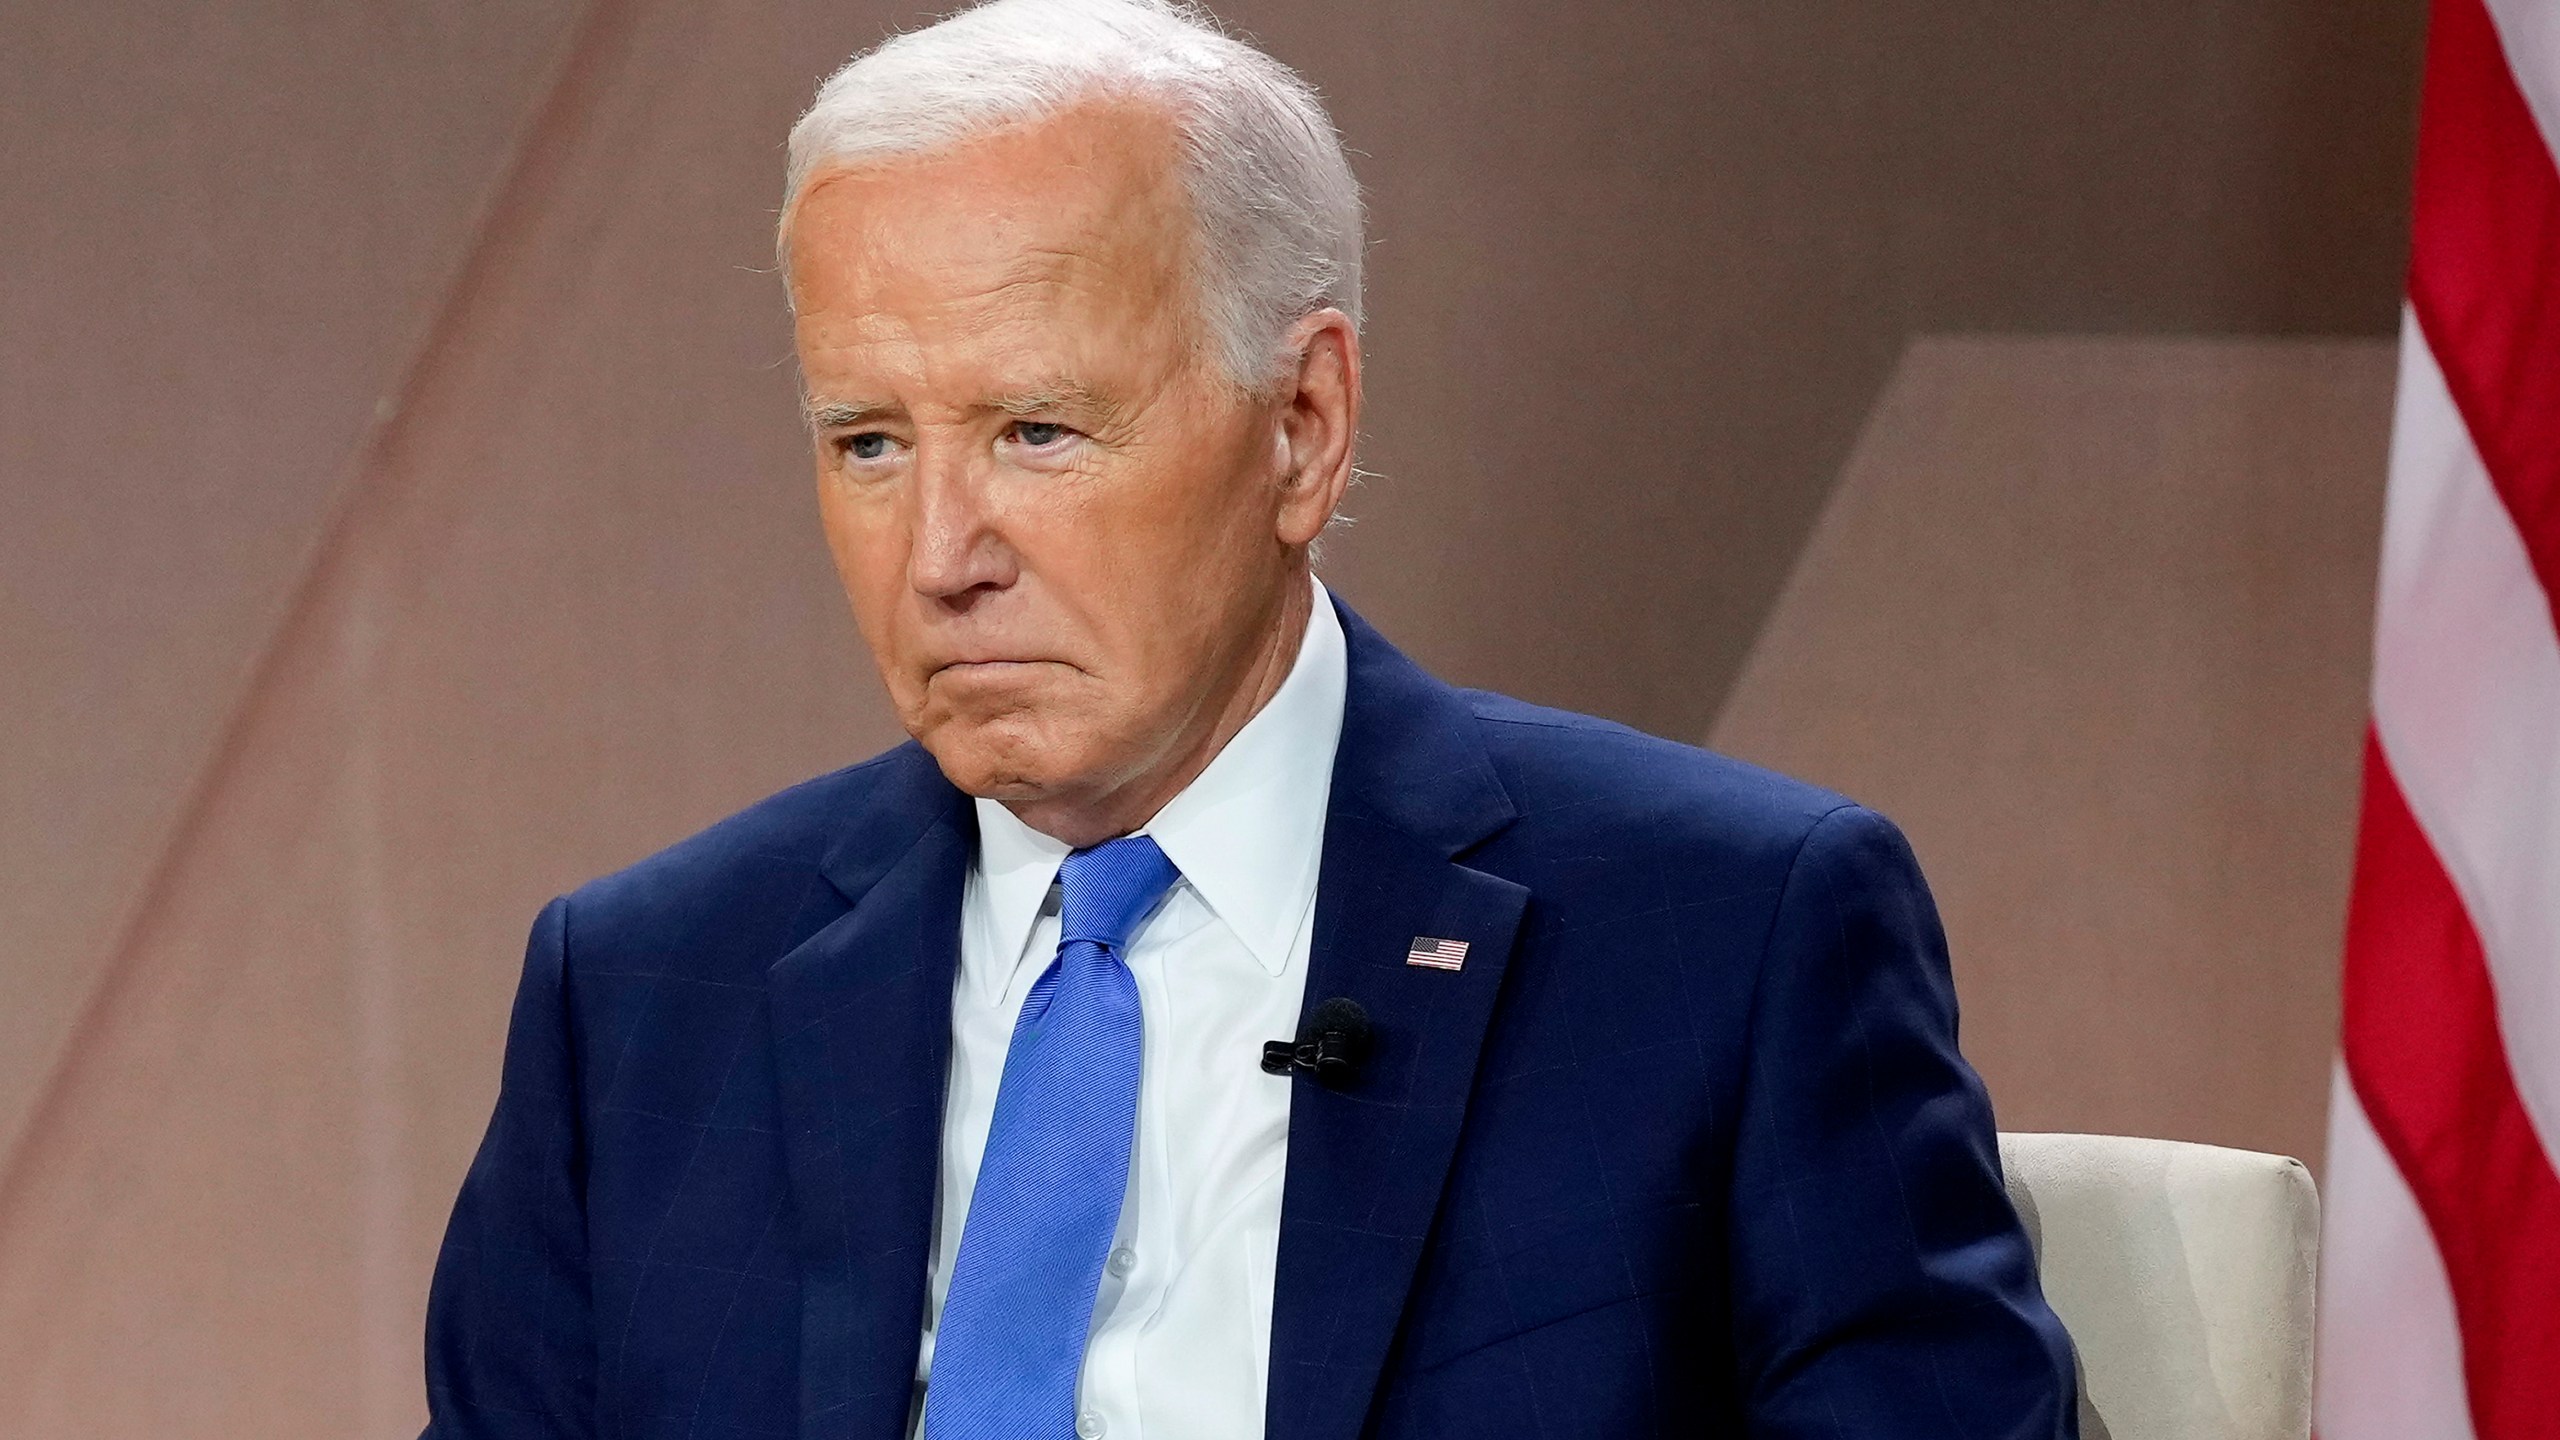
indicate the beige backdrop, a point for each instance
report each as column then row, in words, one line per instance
column 2090, row 618
column 403, row 521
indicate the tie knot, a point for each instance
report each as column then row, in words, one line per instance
column 1107, row 890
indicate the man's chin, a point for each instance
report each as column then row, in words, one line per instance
column 999, row 757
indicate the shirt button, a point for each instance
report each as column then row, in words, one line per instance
column 1123, row 1260
column 1090, row 1426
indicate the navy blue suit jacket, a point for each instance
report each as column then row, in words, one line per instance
column 1686, row 1148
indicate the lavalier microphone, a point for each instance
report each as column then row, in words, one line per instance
column 1330, row 1046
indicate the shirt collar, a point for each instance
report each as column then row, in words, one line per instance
column 1247, row 834
column 1013, row 870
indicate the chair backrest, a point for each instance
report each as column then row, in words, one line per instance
column 2184, row 1274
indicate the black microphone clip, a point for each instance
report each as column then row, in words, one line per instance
column 1331, row 1046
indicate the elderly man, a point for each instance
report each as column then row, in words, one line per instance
column 1616, row 1090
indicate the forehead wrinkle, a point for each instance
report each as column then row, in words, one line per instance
column 967, row 319
column 1008, row 347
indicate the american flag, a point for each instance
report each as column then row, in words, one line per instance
column 1431, row 952
column 2440, row 1270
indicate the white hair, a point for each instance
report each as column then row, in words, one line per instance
column 1274, row 207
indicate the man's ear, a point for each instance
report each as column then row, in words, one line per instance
column 1319, row 417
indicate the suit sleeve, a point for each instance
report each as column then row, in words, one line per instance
column 1882, row 1285
column 510, row 1331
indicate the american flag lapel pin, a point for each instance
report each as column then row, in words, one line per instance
column 1433, row 953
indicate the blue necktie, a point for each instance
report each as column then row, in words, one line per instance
column 1011, row 1338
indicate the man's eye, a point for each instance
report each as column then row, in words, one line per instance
column 869, row 445
column 1039, row 434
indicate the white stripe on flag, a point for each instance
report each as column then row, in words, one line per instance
column 2466, row 697
column 2390, row 1359
column 2530, row 31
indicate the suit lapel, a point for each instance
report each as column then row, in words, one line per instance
column 861, row 1015
column 1412, row 788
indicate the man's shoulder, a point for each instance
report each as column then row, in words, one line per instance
column 1580, row 779
column 746, row 881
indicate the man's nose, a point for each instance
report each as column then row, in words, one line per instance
column 957, row 548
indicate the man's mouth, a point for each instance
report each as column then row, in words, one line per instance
column 992, row 667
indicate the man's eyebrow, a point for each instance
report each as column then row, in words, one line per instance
column 840, row 414
column 1054, row 395
column 1068, row 395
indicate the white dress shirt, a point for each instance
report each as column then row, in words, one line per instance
column 1181, row 1338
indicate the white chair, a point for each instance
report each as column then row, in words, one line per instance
column 2184, row 1274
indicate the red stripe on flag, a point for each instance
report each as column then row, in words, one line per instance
column 2424, row 1051
column 2484, row 269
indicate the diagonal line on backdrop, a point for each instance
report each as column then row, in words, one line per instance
column 531, row 174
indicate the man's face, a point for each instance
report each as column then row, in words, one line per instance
column 1063, row 531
